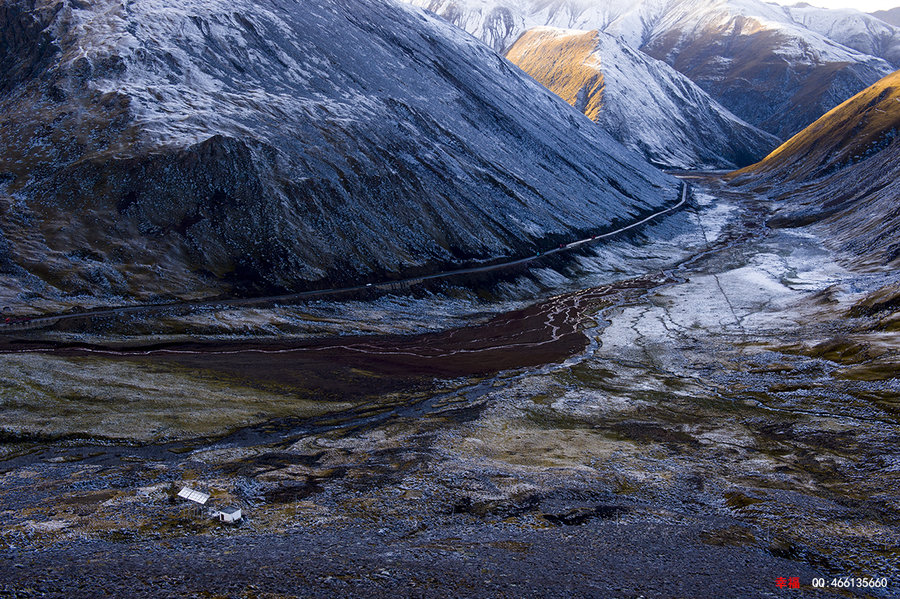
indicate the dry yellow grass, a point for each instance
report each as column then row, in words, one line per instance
column 563, row 62
column 845, row 131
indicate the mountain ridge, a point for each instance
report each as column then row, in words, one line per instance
column 752, row 57
column 197, row 145
column 890, row 16
column 642, row 102
column 841, row 174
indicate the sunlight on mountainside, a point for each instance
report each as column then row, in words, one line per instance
column 564, row 63
column 861, row 125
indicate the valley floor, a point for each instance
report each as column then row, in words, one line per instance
column 699, row 410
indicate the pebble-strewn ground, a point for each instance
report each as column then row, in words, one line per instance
column 729, row 419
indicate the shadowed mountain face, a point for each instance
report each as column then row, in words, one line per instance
column 642, row 102
column 774, row 69
column 175, row 147
column 891, row 16
column 843, row 171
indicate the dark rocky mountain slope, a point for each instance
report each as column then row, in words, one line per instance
column 178, row 147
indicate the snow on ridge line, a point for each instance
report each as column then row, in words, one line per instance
column 286, row 148
column 644, row 103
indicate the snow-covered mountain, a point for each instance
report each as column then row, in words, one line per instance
column 172, row 145
column 852, row 28
column 843, row 173
column 642, row 102
column 759, row 60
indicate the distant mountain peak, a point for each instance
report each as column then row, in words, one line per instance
column 890, row 16
column 776, row 67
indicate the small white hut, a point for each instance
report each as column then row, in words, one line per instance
column 230, row 514
column 199, row 498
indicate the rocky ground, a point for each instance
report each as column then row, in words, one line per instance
column 706, row 407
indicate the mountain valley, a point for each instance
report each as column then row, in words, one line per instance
column 344, row 298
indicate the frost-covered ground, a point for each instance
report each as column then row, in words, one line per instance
column 733, row 417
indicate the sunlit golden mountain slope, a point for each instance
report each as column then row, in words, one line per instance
column 641, row 101
column 847, row 134
column 843, row 171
